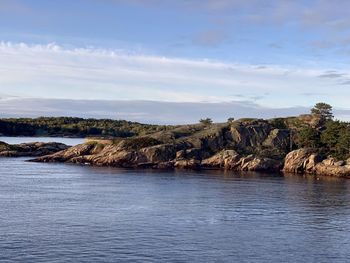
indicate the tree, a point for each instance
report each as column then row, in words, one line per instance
column 308, row 137
column 344, row 143
column 330, row 135
column 336, row 138
column 230, row 120
column 206, row 121
column 324, row 110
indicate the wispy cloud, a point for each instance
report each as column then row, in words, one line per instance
column 346, row 82
column 332, row 75
column 148, row 111
column 53, row 71
column 141, row 111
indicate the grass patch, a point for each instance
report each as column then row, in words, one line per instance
column 138, row 143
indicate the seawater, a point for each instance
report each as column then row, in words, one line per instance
column 72, row 213
column 20, row 139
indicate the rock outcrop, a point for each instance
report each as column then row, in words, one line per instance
column 235, row 146
column 308, row 161
column 30, row 149
column 229, row 159
column 160, row 156
column 242, row 145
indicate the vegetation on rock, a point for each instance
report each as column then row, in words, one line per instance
column 330, row 137
column 75, row 127
column 324, row 110
column 247, row 144
column 206, row 121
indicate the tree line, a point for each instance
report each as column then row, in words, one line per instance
column 331, row 137
column 74, row 127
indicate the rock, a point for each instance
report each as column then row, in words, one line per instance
column 301, row 161
column 250, row 134
column 340, row 163
column 208, row 139
column 65, row 155
column 12, row 154
column 165, row 165
column 254, row 136
column 243, row 145
column 332, row 170
column 225, row 159
column 311, row 162
column 109, row 156
column 278, row 138
column 193, row 153
column 252, row 163
column 30, row 149
column 181, row 154
column 159, row 153
column 329, row 161
column 188, row 164
column 230, row 160
column 306, row 161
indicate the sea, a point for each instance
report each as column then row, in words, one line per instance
column 54, row 212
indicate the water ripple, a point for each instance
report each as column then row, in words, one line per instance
column 60, row 213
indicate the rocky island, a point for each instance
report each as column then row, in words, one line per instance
column 30, row 149
column 307, row 144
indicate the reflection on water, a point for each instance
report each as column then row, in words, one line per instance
column 58, row 212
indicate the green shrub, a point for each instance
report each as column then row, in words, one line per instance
column 138, row 143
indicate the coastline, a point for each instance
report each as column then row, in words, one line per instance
column 257, row 145
column 298, row 162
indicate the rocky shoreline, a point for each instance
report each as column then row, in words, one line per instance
column 308, row 161
column 243, row 145
column 301, row 161
column 30, row 149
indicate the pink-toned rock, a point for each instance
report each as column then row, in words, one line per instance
column 301, row 161
column 225, row 159
column 253, row 163
column 230, row 160
column 187, row 164
column 33, row 149
column 306, row 161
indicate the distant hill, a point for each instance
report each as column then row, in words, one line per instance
column 74, row 127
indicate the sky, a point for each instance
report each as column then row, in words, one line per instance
column 172, row 61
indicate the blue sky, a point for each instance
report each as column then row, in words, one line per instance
column 266, row 54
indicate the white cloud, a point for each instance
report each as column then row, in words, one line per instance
column 53, row 71
column 148, row 111
column 140, row 111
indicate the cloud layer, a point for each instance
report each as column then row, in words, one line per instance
column 53, row 71
column 142, row 111
column 157, row 112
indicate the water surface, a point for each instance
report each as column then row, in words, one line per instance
column 17, row 140
column 68, row 213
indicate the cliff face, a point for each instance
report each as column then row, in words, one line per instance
column 241, row 145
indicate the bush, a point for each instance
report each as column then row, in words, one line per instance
column 138, row 143
column 278, row 123
column 308, row 137
column 206, row 121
